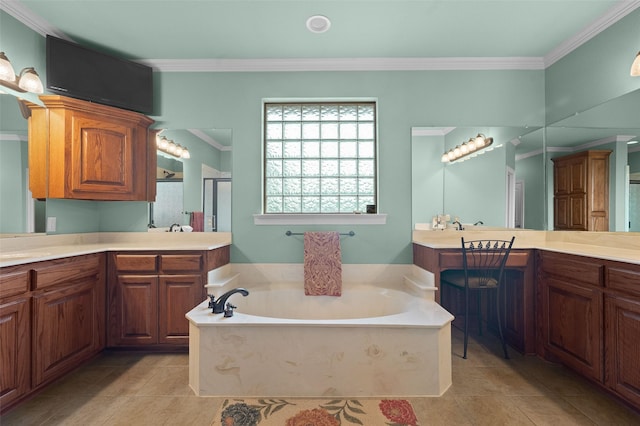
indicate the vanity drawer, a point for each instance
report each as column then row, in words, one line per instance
column 624, row 279
column 62, row 271
column 137, row 263
column 180, row 263
column 14, row 281
column 573, row 268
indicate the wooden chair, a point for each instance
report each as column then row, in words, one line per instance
column 483, row 270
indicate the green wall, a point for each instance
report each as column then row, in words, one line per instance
column 405, row 99
column 595, row 72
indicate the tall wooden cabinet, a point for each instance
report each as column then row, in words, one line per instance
column 88, row 151
column 581, row 191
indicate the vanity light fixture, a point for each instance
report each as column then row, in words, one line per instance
column 635, row 66
column 170, row 147
column 473, row 145
column 27, row 81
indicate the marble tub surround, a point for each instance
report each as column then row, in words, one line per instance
column 398, row 350
column 616, row 246
column 410, row 278
column 15, row 251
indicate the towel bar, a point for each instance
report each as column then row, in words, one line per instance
column 289, row 233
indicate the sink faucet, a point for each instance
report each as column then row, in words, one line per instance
column 177, row 226
column 218, row 305
column 458, row 226
column 479, row 223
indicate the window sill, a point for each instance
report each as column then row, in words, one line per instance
column 320, row 219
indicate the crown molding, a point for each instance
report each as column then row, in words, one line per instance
column 613, row 15
column 344, row 64
column 9, row 136
column 617, row 12
column 431, row 131
column 208, row 139
column 26, row 16
column 528, row 154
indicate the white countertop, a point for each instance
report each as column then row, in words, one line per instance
column 617, row 246
column 20, row 250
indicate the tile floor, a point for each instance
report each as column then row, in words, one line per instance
column 142, row 389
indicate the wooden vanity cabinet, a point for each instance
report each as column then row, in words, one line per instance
column 571, row 290
column 15, row 332
column 52, row 319
column 88, row 151
column 581, row 191
column 149, row 295
column 622, row 331
column 68, row 317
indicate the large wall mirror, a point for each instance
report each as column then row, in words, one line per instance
column 481, row 189
column 19, row 213
column 190, row 185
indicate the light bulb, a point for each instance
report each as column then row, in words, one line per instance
column 464, row 148
column 30, row 81
column 6, row 69
column 185, row 153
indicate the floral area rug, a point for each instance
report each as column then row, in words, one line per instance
column 315, row 412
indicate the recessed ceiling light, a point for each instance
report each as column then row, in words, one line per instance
column 318, row 24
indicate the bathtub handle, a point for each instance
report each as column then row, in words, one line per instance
column 229, row 311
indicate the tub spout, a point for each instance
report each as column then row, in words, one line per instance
column 218, row 305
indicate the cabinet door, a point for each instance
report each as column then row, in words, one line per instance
column 561, row 211
column 623, row 347
column 578, row 215
column 561, row 177
column 572, row 324
column 135, row 311
column 15, row 348
column 178, row 294
column 65, row 328
column 578, row 173
column 102, row 156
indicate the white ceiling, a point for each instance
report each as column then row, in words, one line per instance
column 364, row 34
column 266, row 35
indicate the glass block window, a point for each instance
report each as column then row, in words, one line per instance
column 319, row 157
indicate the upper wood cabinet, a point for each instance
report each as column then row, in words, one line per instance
column 581, row 191
column 82, row 150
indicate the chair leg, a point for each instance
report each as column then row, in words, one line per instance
column 479, row 308
column 466, row 321
column 504, row 345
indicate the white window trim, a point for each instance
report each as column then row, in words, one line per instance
column 320, row 219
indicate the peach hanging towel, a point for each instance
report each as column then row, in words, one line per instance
column 197, row 221
column 322, row 264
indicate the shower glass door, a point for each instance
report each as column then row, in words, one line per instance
column 217, row 204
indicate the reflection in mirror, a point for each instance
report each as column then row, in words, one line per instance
column 499, row 187
column 210, row 158
column 19, row 213
column 615, row 126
